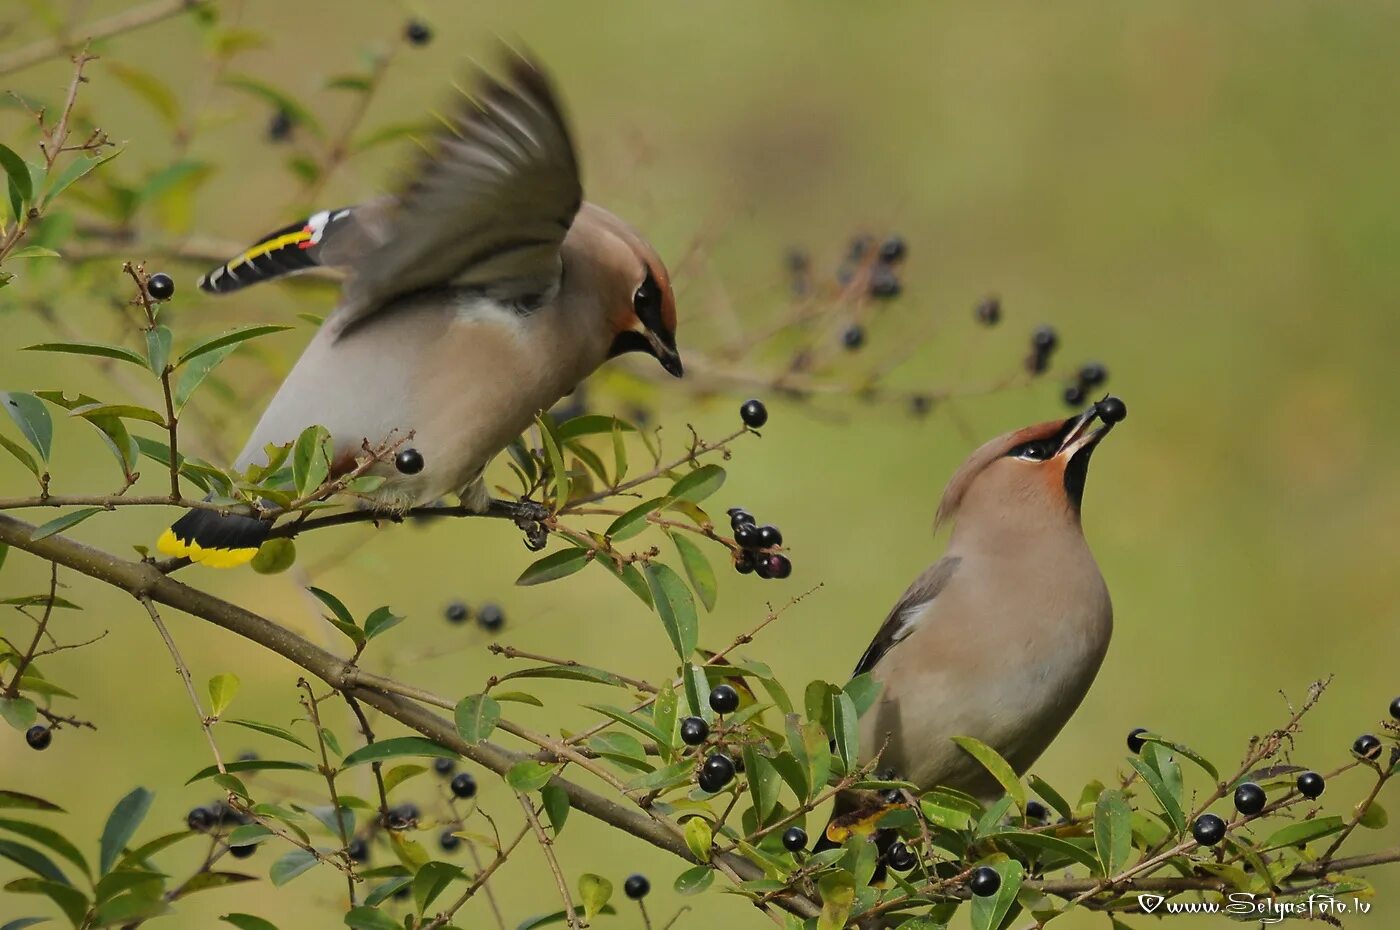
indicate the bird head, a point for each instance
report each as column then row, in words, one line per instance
column 1031, row 476
column 640, row 305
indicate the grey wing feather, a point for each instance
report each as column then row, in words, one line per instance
column 488, row 209
column 897, row 625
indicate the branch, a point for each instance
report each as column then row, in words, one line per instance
column 113, row 25
column 547, row 847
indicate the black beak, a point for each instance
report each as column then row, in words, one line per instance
column 1080, row 443
column 664, row 350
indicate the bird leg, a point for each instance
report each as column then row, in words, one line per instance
column 529, row 516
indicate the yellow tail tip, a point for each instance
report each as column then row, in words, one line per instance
column 172, row 545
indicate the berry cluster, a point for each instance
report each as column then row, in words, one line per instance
column 718, row 769
column 1091, row 375
column 489, row 617
column 218, row 817
column 883, row 281
column 755, row 543
column 1044, row 341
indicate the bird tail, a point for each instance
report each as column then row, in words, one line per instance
column 214, row 539
column 289, row 250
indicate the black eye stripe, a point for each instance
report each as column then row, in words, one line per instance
column 646, row 302
column 1037, row 451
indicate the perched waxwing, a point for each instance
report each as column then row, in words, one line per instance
column 478, row 296
column 1001, row 638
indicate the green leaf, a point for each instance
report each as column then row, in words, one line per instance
column 1169, row 804
column 275, row 556
column 380, row 620
column 838, row 894
column 33, row 251
column 22, row 922
column 150, row 89
column 24, row 457
column 75, row 171
column 158, row 342
column 99, row 349
column 594, row 892
column 699, row 838
column 32, row 418
column 675, row 606
column 1303, row 831
column 20, row 184
column 697, row 569
column 846, row 731
column 567, row 673
column 765, row 783
column 396, row 747
column 252, row 765
column 634, row 520
column 554, row 566
column 1372, row 816
column 694, row 880
column 19, row 712
column 627, row 719
column 558, row 917
column 71, row 901
column 1186, row 751
column 476, row 716
column 311, row 459
column 999, row 768
column 1050, row 796
column 15, row 800
column 554, row 455
column 1113, row 831
column 222, row 689
column 290, row 865
column 699, row 484
column 249, row 922
column 337, row 607
column 192, row 374
column 1051, row 844
column 121, row 825
column 123, row 411
column 988, row 912
column 529, row 775
column 270, row 729
column 231, row 338
column 275, row 98
column 556, row 806
column 33, row 860
column 369, row 918
column 430, row 882
column 591, row 424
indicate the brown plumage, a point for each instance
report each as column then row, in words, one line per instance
column 1001, row 638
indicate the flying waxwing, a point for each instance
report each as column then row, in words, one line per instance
column 478, row 296
column 1001, row 638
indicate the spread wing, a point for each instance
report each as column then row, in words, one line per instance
column 488, row 208
column 901, row 620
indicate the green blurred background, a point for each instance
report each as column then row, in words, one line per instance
column 1200, row 194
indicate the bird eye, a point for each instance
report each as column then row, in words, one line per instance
column 646, row 301
column 1037, row 451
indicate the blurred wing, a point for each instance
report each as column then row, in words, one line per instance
column 331, row 238
column 901, row 620
column 488, row 209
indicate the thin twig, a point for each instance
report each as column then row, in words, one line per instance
column 328, row 772
column 205, row 722
column 104, row 28
column 547, row 847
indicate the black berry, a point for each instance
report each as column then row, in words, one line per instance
column 463, row 785
column 854, row 337
column 892, row 250
column 717, row 772
column 1037, row 812
column 901, row 858
column 694, row 731
column 449, row 841
column 860, row 247
column 402, row 817
column 409, row 461
column 1249, row 799
column 1045, row 339
column 724, row 699
column 892, row 796
column 444, row 767
column 417, row 32
column 279, row 128
column 985, row 881
column 794, row 839
column 1366, row 746
column 1074, row 396
column 920, row 405
column 1135, row 740
column 160, row 286
column 761, row 567
column 199, row 819
column 769, row 536
column 456, row 612
column 738, row 516
column 753, row 413
column 988, row 312
column 242, row 852
column 491, row 617
column 1311, row 785
column 1112, row 410
column 746, row 535
column 884, row 283
column 1092, row 375
column 38, row 736
column 796, row 261
column 636, row 886
column 779, row 566
column 358, row 850
column 1395, row 709
column 744, row 563
column 1208, row 829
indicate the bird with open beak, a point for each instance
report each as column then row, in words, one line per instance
column 1001, row 638
column 478, row 296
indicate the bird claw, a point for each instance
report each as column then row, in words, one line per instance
column 530, row 517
